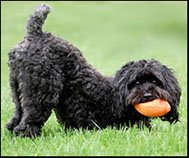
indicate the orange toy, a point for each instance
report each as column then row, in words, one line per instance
column 153, row 108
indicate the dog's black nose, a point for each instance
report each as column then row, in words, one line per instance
column 147, row 96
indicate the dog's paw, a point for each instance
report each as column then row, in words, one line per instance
column 12, row 124
column 27, row 131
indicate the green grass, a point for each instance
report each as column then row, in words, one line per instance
column 109, row 35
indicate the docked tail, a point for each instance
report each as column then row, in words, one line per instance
column 36, row 21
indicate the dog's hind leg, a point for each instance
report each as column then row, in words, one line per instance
column 39, row 96
column 35, row 114
column 14, row 121
column 33, row 119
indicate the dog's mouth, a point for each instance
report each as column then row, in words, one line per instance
column 139, row 97
column 148, row 97
column 145, row 98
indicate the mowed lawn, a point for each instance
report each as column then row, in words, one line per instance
column 109, row 34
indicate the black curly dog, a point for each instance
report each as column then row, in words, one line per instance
column 48, row 73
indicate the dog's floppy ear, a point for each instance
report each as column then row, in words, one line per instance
column 121, row 80
column 123, row 74
column 172, row 86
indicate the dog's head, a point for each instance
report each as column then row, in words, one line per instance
column 146, row 80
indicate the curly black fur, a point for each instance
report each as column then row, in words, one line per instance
column 47, row 73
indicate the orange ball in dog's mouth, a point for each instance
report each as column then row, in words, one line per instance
column 154, row 108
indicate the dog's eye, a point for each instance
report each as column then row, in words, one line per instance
column 137, row 82
column 154, row 81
